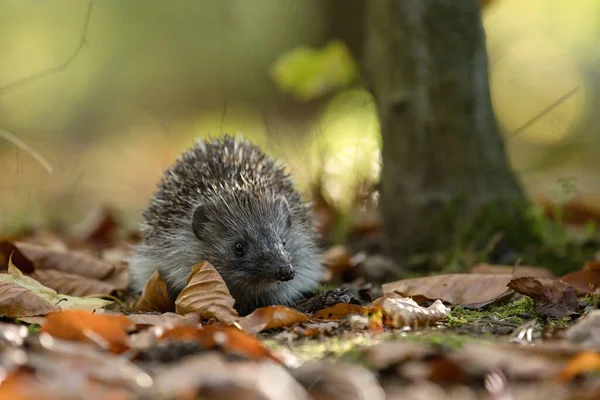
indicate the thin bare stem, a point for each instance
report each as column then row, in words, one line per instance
column 4, row 134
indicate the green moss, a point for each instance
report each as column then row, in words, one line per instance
column 514, row 311
column 591, row 300
column 440, row 339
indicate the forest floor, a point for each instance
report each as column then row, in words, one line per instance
column 71, row 329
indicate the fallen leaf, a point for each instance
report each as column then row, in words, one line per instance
column 74, row 262
column 73, row 285
column 271, row 317
column 586, row 361
column 342, row 310
column 578, row 210
column 386, row 354
column 206, row 294
column 471, row 290
column 586, row 331
column 46, row 239
column 99, row 227
column 76, row 365
column 166, row 320
column 212, row 376
column 322, row 379
column 155, row 296
column 553, row 298
column 85, row 326
column 17, row 301
column 16, row 277
column 21, row 384
column 585, row 281
column 228, row 339
column 405, row 312
column 337, row 260
column 443, row 370
column 517, row 271
column 8, row 250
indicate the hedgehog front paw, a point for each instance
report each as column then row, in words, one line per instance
column 327, row 298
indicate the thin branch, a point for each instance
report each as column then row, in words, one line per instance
column 58, row 68
column 543, row 113
column 4, row 134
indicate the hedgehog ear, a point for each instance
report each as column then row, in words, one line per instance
column 282, row 204
column 199, row 219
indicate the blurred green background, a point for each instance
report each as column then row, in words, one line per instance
column 110, row 92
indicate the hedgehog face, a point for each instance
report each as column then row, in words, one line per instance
column 246, row 240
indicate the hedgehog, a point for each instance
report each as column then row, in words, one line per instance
column 226, row 202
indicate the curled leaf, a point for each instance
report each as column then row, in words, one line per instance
column 553, row 298
column 155, row 296
column 206, row 294
column 8, row 250
column 271, row 317
column 405, row 312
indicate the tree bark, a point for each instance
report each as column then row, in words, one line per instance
column 426, row 65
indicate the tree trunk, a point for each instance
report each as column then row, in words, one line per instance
column 426, row 65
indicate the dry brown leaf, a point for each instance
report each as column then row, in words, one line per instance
column 74, row 262
column 337, row 259
column 461, row 289
column 46, row 239
column 166, row 320
column 271, row 317
column 228, row 339
column 579, row 210
column 206, row 294
column 85, row 326
column 585, row 281
column 344, row 381
column 99, row 227
column 517, row 271
column 155, row 296
column 18, row 301
column 342, row 310
column 553, row 298
column 8, row 250
column 63, row 301
column 73, row 285
column 212, row 376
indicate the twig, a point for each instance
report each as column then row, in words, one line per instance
column 543, row 113
column 4, row 134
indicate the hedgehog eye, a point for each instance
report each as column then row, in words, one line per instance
column 283, row 242
column 239, row 249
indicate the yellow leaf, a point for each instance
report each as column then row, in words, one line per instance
column 15, row 276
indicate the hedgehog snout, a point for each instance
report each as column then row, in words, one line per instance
column 285, row 273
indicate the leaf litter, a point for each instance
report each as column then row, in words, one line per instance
column 407, row 343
